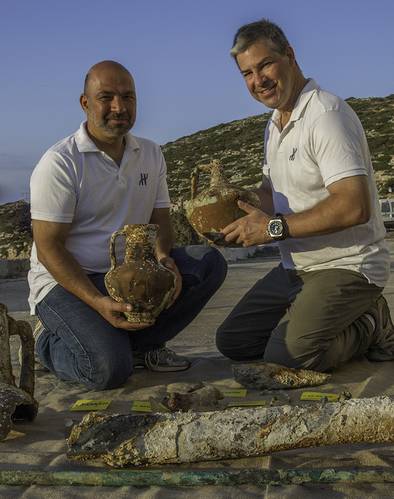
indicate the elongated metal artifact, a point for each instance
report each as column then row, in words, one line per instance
column 121, row 440
column 263, row 375
column 196, row 478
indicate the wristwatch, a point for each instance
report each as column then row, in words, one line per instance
column 277, row 227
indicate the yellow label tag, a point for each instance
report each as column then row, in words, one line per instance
column 332, row 397
column 14, row 434
column 240, row 392
column 248, row 403
column 141, row 406
column 90, row 405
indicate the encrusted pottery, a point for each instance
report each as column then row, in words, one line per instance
column 140, row 280
column 213, row 208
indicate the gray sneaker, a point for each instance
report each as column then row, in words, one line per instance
column 382, row 348
column 160, row 360
column 37, row 330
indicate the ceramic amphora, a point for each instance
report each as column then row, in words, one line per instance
column 213, row 208
column 140, row 280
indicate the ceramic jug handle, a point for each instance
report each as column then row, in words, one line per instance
column 112, row 253
column 194, row 182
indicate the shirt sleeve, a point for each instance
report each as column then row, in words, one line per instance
column 52, row 189
column 162, row 195
column 339, row 143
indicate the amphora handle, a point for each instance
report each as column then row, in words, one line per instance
column 195, row 175
column 112, row 253
column 213, row 168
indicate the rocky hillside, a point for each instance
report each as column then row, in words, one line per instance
column 239, row 146
column 15, row 230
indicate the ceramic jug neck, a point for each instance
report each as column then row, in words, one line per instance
column 139, row 250
column 216, row 175
column 140, row 241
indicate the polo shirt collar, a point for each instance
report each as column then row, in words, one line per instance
column 302, row 101
column 86, row 144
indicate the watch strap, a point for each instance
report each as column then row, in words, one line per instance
column 285, row 228
column 285, row 234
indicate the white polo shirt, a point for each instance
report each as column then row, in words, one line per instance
column 75, row 182
column 324, row 142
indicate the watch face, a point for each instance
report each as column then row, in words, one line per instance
column 276, row 228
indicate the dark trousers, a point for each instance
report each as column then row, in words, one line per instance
column 78, row 344
column 313, row 320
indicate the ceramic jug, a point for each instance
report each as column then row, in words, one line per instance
column 213, row 208
column 140, row 280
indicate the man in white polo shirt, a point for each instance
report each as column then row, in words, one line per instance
column 323, row 305
column 84, row 188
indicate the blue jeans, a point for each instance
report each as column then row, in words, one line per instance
column 78, row 344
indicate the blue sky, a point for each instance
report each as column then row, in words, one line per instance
column 178, row 53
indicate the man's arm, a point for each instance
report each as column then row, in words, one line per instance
column 347, row 204
column 50, row 238
column 165, row 236
column 264, row 191
column 164, row 244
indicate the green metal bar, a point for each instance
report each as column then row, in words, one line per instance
column 191, row 478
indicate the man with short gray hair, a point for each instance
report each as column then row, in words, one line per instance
column 323, row 304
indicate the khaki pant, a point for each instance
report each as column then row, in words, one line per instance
column 314, row 320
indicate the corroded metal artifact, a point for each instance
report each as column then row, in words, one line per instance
column 258, row 477
column 122, row 440
column 16, row 403
column 141, row 280
column 263, row 375
column 213, row 208
column 199, row 397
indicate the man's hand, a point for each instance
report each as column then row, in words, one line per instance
column 112, row 312
column 170, row 264
column 248, row 230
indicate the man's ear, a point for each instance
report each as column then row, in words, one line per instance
column 83, row 100
column 290, row 54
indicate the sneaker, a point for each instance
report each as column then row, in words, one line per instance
column 382, row 348
column 37, row 331
column 160, row 360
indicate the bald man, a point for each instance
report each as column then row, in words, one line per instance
column 84, row 188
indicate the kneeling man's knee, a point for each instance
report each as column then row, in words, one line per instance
column 232, row 344
column 297, row 354
column 107, row 373
column 218, row 264
column 223, row 343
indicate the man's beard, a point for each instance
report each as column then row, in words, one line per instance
column 116, row 129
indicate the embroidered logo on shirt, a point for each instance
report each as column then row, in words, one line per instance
column 143, row 179
column 292, row 155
